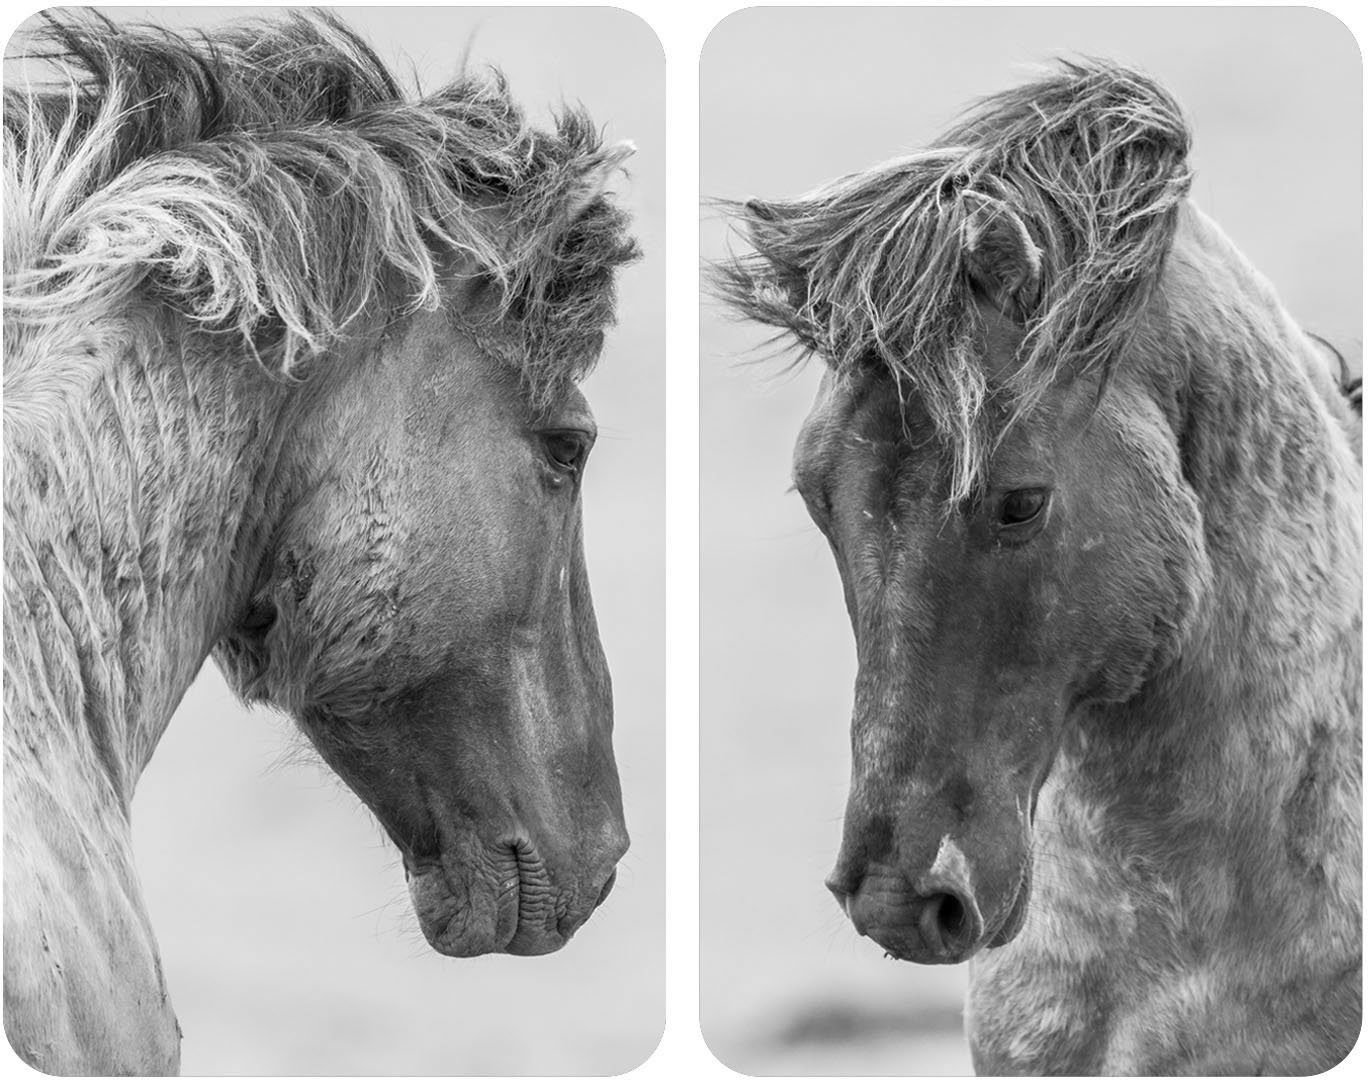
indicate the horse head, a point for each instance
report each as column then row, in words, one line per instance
column 422, row 605
column 982, row 626
column 1005, row 501
column 423, row 609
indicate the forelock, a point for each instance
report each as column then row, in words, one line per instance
column 869, row 271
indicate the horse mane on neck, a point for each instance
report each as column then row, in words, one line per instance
column 272, row 179
column 869, row 271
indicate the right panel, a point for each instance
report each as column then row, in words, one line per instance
column 1031, row 561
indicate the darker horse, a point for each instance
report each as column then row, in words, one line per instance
column 290, row 376
column 1094, row 499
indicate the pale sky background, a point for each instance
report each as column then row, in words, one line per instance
column 284, row 922
column 791, row 98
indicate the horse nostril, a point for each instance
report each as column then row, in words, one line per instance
column 946, row 923
column 952, row 915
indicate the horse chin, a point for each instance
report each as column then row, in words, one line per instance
column 463, row 918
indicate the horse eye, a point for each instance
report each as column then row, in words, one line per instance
column 1020, row 506
column 566, row 450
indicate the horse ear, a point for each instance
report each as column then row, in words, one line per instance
column 1002, row 260
column 593, row 181
column 770, row 232
column 771, row 284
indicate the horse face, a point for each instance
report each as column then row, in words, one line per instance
column 425, row 613
column 983, row 631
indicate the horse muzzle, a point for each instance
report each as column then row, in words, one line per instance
column 512, row 905
column 940, row 923
column 936, row 917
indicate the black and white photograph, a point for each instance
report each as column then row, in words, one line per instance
column 682, row 540
column 1031, row 571
column 334, row 541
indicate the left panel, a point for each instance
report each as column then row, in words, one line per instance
column 334, row 487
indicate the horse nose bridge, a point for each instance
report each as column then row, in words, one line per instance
column 910, row 765
column 908, row 721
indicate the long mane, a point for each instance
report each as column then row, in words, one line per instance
column 272, row 179
column 869, row 271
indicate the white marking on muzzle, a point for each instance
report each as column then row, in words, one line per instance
column 951, row 864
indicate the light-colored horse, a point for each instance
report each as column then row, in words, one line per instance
column 290, row 368
column 1095, row 501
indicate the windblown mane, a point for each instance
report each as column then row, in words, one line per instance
column 273, row 180
column 870, row 269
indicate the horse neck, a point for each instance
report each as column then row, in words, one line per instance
column 1242, row 754
column 130, row 518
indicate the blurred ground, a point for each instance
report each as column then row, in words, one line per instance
column 793, row 97
column 283, row 918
